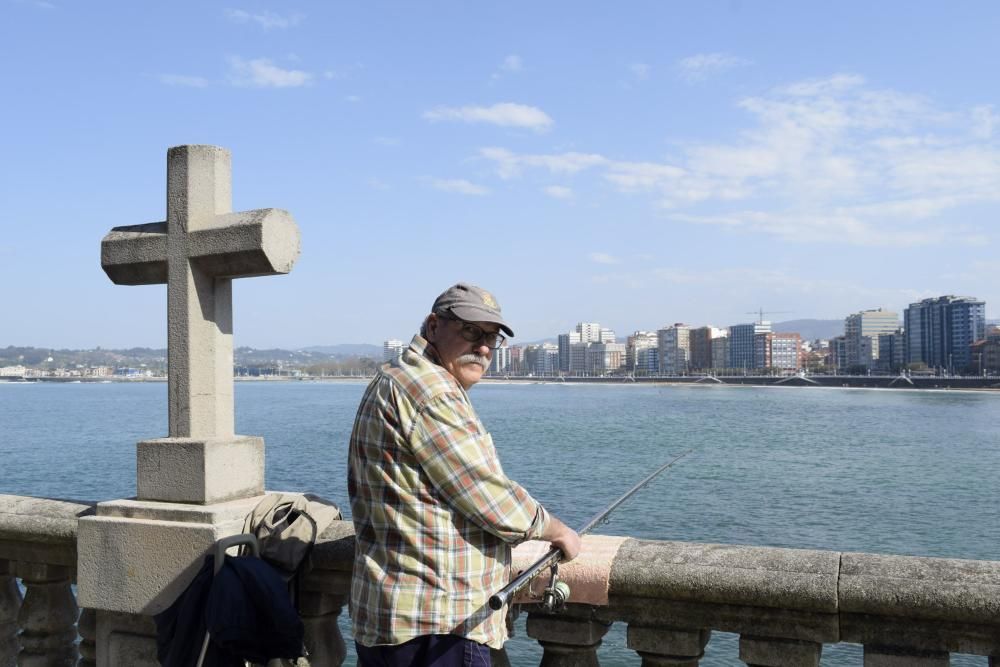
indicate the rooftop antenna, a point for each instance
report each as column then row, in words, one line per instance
column 761, row 313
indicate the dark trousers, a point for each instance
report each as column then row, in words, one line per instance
column 426, row 651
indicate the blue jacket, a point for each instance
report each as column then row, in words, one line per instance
column 246, row 607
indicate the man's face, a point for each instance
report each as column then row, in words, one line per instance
column 465, row 360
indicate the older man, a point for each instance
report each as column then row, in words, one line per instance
column 433, row 511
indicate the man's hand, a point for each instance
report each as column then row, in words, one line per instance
column 563, row 538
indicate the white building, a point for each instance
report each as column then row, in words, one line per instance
column 391, row 349
column 861, row 332
column 675, row 349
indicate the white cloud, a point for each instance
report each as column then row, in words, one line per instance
column 558, row 192
column 460, row 186
column 603, row 258
column 262, row 73
column 640, row 71
column 266, row 20
column 387, row 141
column 832, row 161
column 183, row 80
column 506, row 114
column 510, row 165
column 353, row 99
column 38, row 4
column 984, row 120
column 512, row 63
column 703, row 65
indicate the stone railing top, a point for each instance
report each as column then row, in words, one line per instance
column 40, row 530
column 820, row 584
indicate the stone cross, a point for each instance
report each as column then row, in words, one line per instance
column 197, row 252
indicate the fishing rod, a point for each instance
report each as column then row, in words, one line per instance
column 557, row 592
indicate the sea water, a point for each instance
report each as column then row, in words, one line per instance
column 885, row 471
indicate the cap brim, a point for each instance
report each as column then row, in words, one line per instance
column 473, row 314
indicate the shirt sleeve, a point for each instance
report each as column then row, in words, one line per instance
column 461, row 462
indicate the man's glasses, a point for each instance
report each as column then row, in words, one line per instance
column 474, row 333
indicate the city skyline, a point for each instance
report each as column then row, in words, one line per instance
column 707, row 160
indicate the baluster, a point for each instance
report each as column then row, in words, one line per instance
column 778, row 652
column 10, row 604
column 324, row 640
column 663, row 647
column 890, row 656
column 47, row 617
column 568, row 640
column 87, row 627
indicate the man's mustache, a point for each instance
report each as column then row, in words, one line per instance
column 474, row 359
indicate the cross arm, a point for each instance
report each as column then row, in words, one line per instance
column 251, row 243
column 136, row 254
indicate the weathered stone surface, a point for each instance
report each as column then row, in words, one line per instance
column 200, row 248
column 739, row 619
column 136, row 557
column 125, row 639
column 667, row 641
column 772, row 652
column 40, row 520
column 10, row 606
column 189, row 470
column 335, row 548
column 727, row 574
column 570, row 639
column 47, row 618
column 878, row 656
column 929, row 588
column 920, row 634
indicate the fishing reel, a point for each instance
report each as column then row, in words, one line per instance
column 556, row 594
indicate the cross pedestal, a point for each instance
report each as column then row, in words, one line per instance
column 197, row 485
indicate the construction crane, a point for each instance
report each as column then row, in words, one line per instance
column 761, row 313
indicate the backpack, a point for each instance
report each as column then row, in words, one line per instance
column 286, row 526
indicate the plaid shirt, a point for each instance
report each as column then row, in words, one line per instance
column 434, row 514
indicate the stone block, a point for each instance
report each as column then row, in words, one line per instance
column 777, row 652
column 200, row 470
column 667, row 641
column 566, row 630
column 794, row 579
column 881, row 656
column 136, row 557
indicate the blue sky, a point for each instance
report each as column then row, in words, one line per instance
column 632, row 163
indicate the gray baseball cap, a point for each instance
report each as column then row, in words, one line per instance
column 472, row 304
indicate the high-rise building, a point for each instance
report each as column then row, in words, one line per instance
column 985, row 353
column 701, row 347
column 647, row 361
column 606, row 336
column 867, row 324
column 720, row 350
column 541, row 359
column 675, row 349
column 604, row 358
column 500, row 363
column 590, row 332
column 639, row 340
column 786, row 351
column 565, row 341
column 391, row 349
column 940, row 331
column 742, row 345
column 516, row 359
column 891, row 351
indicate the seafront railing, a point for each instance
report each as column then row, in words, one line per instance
column 784, row 604
column 42, row 625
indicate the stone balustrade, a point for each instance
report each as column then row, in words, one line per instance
column 784, row 604
column 41, row 627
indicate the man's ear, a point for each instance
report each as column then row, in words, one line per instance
column 432, row 325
